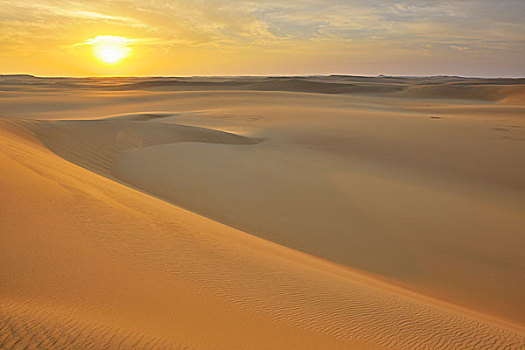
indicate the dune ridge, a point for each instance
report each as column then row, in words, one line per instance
column 124, row 135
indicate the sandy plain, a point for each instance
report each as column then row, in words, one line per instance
column 332, row 212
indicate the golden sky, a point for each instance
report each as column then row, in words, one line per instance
column 264, row 37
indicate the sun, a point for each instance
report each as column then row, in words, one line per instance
column 111, row 49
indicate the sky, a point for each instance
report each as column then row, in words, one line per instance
column 265, row 37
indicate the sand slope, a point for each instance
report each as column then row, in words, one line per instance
column 117, row 259
column 426, row 233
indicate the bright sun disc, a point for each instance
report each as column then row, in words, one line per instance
column 111, row 49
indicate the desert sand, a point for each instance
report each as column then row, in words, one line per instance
column 326, row 212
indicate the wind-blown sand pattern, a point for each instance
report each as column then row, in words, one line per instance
column 370, row 216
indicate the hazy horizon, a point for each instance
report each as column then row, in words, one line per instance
column 264, row 75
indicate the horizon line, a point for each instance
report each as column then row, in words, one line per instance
column 261, row 76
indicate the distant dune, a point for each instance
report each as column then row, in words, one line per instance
column 324, row 212
column 431, row 87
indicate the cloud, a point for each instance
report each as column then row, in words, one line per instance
column 97, row 16
column 249, row 22
column 102, row 39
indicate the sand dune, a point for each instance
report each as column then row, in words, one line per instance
column 311, row 220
